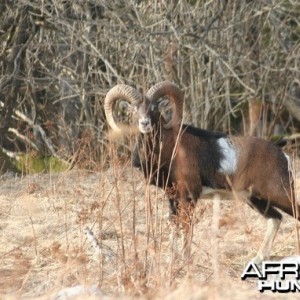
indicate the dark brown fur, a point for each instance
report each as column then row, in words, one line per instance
column 190, row 159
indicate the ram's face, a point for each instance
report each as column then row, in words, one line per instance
column 149, row 114
column 146, row 114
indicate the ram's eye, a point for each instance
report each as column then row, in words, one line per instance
column 163, row 105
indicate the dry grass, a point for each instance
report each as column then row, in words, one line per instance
column 44, row 248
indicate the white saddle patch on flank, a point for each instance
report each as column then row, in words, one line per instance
column 228, row 162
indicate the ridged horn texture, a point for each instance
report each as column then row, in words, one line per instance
column 172, row 91
column 120, row 91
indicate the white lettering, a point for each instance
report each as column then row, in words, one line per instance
column 248, row 273
column 283, row 279
column 279, row 286
column 264, row 285
column 270, row 267
column 290, row 268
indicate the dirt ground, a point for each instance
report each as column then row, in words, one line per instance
column 109, row 231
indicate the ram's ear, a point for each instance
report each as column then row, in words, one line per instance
column 166, row 110
column 123, row 112
column 125, row 105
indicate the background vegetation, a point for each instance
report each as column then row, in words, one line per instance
column 237, row 62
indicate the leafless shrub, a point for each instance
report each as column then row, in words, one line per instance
column 59, row 58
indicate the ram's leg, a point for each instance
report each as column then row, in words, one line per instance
column 185, row 214
column 274, row 219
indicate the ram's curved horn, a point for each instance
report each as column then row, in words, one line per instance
column 120, row 91
column 172, row 91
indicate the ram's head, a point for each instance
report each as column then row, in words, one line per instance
column 162, row 103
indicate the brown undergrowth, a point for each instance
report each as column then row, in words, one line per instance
column 44, row 246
